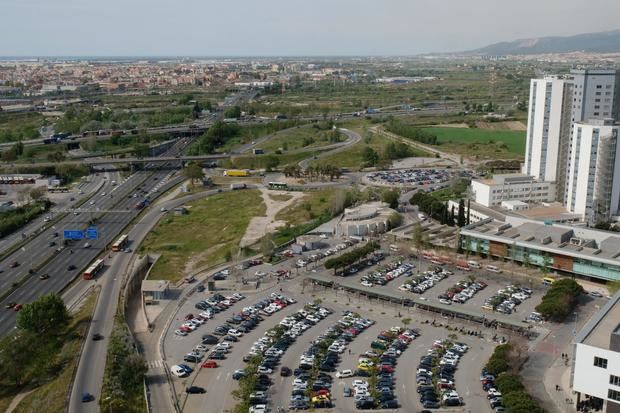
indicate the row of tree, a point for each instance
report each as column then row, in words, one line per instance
column 504, row 364
column 14, row 219
column 412, row 132
column 391, row 151
column 560, row 300
column 349, row 258
column 313, row 171
column 440, row 211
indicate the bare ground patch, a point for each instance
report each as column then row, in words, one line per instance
column 259, row 226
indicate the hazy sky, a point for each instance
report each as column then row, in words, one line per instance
column 286, row 27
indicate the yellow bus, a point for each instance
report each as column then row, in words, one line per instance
column 548, row 280
column 236, row 172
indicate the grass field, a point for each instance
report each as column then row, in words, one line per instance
column 486, row 143
column 296, row 138
column 315, row 203
column 50, row 397
column 352, row 157
column 259, row 161
column 204, row 236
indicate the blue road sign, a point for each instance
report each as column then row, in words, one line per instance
column 73, row 234
column 92, row 233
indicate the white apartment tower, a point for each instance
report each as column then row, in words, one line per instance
column 593, row 179
column 549, row 103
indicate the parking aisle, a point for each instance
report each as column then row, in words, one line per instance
column 281, row 389
column 218, row 382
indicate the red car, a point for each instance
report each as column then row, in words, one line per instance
column 189, row 316
column 209, row 364
column 17, row 307
column 386, row 369
column 186, row 329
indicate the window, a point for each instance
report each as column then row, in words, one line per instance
column 615, row 380
column 600, row 362
column 599, row 86
column 613, row 395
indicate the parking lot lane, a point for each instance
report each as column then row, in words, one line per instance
column 280, row 392
column 218, row 382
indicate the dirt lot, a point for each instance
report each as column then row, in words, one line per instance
column 259, row 226
column 515, row 125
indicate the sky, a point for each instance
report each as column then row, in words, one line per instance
column 286, row 27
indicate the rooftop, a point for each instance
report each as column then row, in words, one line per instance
column 574, row 241
column 597, row 332
column 154, row 286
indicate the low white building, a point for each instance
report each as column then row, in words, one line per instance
column 512, row 187
column 367, row 219
column 595, row 374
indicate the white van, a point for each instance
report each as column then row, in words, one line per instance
column 474, row 264
column 344, row 373
column 178, row 371
column 493, row 268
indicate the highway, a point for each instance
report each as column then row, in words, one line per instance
column 199, row 127
column 119, row 200
column 61, row 201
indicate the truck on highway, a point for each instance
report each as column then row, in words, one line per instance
column 237, row 172
column 237, row 186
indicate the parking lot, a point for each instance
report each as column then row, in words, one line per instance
column 285, row 278
column 430, row 178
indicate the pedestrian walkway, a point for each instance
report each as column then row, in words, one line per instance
column 155, row 364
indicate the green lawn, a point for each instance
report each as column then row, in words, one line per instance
column 296, row 138
column 314, row 204
column 212, row 227
column 471, row 140
column 352, row 156
column 258, row 161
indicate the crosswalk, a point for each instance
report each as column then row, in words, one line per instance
column 154, row 364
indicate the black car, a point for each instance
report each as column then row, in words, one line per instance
column 210, row 340
column 427, row 404
column 285, row 371
column 365, row 404
column 200, row 288
column 195, row 390
column 389, row 404
column 71, row 267
column 231, row 338
column 97, row 337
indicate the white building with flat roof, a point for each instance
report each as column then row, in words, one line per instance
column 512, row 187
column 593, row 177
column 595, row 372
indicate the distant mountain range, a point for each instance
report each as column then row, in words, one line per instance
column 603, row 42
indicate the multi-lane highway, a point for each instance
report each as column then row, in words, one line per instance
column 61, row 201
column 114, row 211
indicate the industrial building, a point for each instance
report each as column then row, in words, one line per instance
column 584, row 252
column 595, row 372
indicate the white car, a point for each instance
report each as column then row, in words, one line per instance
column 235, row 333
column 264, row 370
column 360, row 383
column 162, row 209
column 201, row 347
column 178, row 371
column 344, row 374
column 180, row 333
column 366, row 284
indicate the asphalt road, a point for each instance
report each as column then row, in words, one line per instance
column 352, row 138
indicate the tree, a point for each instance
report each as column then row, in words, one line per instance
column 369, row 157
column 460, row 220
column 232, row 112
column 193, row 172
column 271, row 162
column 16, row 351
column 406, row 321
column 47, row 315
column 19, row 148
column 468, row 211
column 266, row 246
column 391, row 197
column 395, row 220
column 9, row 155
column 37, row 193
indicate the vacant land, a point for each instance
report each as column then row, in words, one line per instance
column 314, row 204
column 207, row 235
column 483, row 142
column 50, row 397
column 353, row 156
column 296, row 138
column 516, row 125
column 261, row 161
